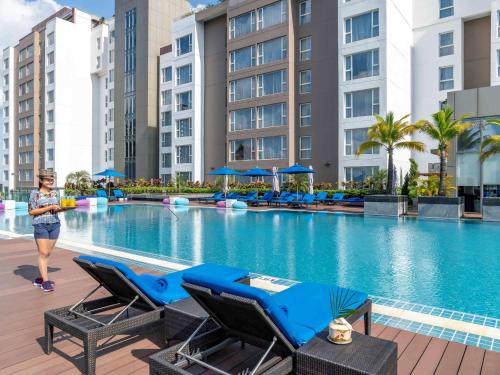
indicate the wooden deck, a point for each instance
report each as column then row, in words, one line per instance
column 21, row 328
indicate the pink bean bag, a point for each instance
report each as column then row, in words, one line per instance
column 166, row 201
column 82, row 203
column 221, row 204
column 2, row 206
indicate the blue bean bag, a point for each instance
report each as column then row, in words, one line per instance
column 21, row 206
column 240, row 205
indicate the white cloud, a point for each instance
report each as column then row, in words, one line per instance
column 199, row 7
column 17, row 17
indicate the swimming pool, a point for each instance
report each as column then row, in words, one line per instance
column 453, row 265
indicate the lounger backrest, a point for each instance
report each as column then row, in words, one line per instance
column 322, row 195
column 118, row 193
column 338, row 196
column 218, row 195
column 308, row 198
column 113, row 277
column 101, row 193
column 268, row 195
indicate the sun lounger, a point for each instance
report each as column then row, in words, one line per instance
column 232, row 195
column 100, row 193
column 213, row 198
column 266, row 198
column 281, row 199
column 279, row 323
column 135, row 303
column 249, row 197
column 118, row 194
column 337, row 197
column 321, row 196
column 307, row 200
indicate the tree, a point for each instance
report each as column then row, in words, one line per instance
column 444, row 129
column 391, row 135
column 80, row 180
column 411, row 178
column 491, row 144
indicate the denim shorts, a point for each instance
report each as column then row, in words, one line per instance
column 45, row 231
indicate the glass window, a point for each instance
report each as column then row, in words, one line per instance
column 111, row 75
column 50, row 96
column 305, row 114
column 272, row 14
column 166, row 118
column 304, row 12
column 50, row 115
column 498, row 24
column 166, row 160
column 305, row 81
column 359, row 173
column 242, row 25
column 272, row 83
column 446, row 8
column 50, row 77
column 446, row 44
column 50, row 38
column 362, row 27
column 184, row 128
column 184, row 101
column 111, row 56
column 166, row 97
column 166, row 139
column 183, row 154
column 272, row 50
column 354, row 138
column 272, row 115
column 50, row 154
column 6, row 63
column 184, row 44
column 184, row 74
column 273, row 148
column 305, row 147
column 305, row 49
column 242, row 119
column 498, row 63
column 50, row 58
column 362, row 65
column 362, row 103
column 242, row 58
column 242, row 149
column 111, row 95
column 242, row 89
column 446, row 78
column 166, row 74
column 165, row 178
column 185, row 176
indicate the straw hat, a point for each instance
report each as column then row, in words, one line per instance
column 45, row 173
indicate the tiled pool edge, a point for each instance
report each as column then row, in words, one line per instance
column 385, row 311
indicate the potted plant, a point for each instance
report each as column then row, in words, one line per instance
column 339, row 329
column 389, row 134
column 489, row 148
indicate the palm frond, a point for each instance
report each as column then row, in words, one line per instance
column 367, row 145
column 411, row 145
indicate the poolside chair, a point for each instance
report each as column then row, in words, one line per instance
column 281, row 198
column 249, row 197
column 136, row 302
column 307, row 200
column 100, row 193
column 118, row 194
column 279, row 323
column 321, row 196
column 337, row 198
column 213, row 198
column 266, row 198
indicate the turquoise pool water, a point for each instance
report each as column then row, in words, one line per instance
column 453, row 265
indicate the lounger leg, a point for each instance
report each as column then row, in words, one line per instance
column 49, row 337
column 368, row 322
column 89, row 354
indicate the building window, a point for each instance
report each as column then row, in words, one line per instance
column 305, row 81
column 50, row 39
column 184, row 74
column 242, row 149
column 166, row 139
column 354, row 138
column 242, row 119
column 166, row 160
column 446, row 78
column 6, row 64
column 362, row 27
column 272, row 83
column 304, row 12
column 446, row 8
column 305, row 49
column 305, row 147
column 26, row 53
column 184, row 176
column 362, row 103
column 362, row 65
column 183, row 154
column 272, row 148
column 166, row 74
column 111, row 56
column 165, row 178
column 242, row 89
column 166, row 118
column 272, row 14
column 50, row 58
column 50, row 116
column 111, row 75
column 184, row 44
column 242, row 25
column 272, row 50
column 166, row 97
column 446, row 44
column 498, row 63
column 184, row 101
column 50, row 77
column 498, row 24
column 242, row 58
column 305, row 114
column 358, row 174
column 272, row 115
column 50, row 154
column 98, row 62
column 50, row 96
column 184, row 128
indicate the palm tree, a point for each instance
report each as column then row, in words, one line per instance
column 392, row 135
column 491, row 144
column 80, row 180
column 444, row 129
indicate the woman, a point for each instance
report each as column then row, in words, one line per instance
column 43, row 206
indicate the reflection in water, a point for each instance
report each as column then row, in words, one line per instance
column 431, row 262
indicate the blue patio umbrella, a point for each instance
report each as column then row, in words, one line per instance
column 257, row 172
column 108, row 173
column 225, row 171
column 297, row 169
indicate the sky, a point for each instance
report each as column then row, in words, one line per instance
column 18, row 16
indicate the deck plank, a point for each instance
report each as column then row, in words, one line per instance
column 451, row 360
column 412, row 354
column 472, row 361
column 491, row 363
column 431, row 357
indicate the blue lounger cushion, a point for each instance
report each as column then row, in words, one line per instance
column 166, row 289
column 300, row 312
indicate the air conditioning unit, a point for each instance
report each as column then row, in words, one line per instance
column 433, row 168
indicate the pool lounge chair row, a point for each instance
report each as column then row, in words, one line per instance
column 206, row 301
column 116, row 194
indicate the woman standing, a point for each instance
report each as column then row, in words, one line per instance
column 43, row 206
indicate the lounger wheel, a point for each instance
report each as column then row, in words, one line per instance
column 49, row 337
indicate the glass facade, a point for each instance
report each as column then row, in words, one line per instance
column 446, row 8
column 184, row 128
column 184, row 155
column 184, row 101
column 184, row 44
column 272, row 148
column 184, row 74
column 305, row 147
column 446, row 81
column 242, row 58
column 305, row 81
column 362, row 103
column 242, row 149
column 242, row 89
column 305, row 49
column 272, row 50
column 446, row 44
column 354, row 138
column 362, row 65
column 129, row 93
column 242, row 119
column 272, row 115
column 272, row 14
column 241, row 25
column 272, row 83
column 361, row 27
column 358, row 174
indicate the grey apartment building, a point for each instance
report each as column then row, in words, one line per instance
column 271, row 85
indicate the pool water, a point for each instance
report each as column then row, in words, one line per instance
column 453, row 265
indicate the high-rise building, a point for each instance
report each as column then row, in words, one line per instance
column 181, row 102
column 142, row 27
column 7, row 129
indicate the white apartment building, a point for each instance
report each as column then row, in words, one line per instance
column 375, row 40
column 7, row 120
column 181, row 103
